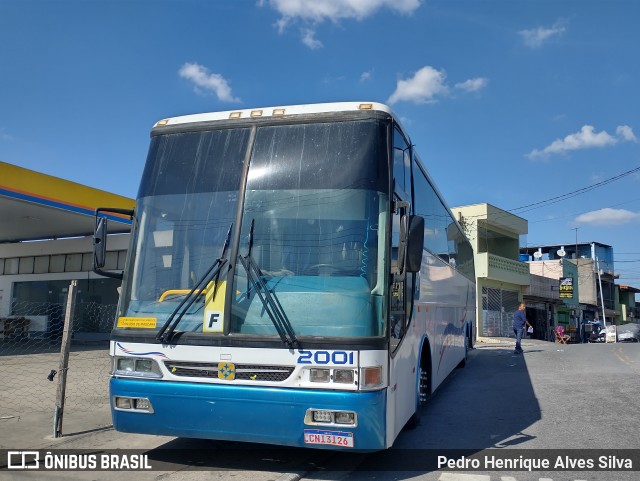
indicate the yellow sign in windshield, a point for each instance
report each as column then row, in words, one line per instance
column 138, row 322
column 214, row 307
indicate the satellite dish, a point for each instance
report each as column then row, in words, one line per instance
column 561, row 252
column 538, row 254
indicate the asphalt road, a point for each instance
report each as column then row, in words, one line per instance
column 575, row 400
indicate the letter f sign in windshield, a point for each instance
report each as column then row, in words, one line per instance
column 214, row 317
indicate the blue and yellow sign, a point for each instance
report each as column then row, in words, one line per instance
column 226, row 371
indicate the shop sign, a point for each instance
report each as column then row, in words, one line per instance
column 566, row 288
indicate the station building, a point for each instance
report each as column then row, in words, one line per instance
column 46, row 240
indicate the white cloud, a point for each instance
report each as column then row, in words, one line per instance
column 309, row 39
column 472, row 85
column 608, row 217
column 205, row 81
column 423, row 87
column 428, row 83
column 317, row 11
column 587, row 138
column 314, row 12
column 536, row 37
column 625, row 133
column 366, row 76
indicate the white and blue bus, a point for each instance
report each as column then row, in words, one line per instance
column 294, row 277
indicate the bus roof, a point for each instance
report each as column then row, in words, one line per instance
column 276, row 112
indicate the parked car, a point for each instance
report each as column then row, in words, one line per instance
column 629, row 332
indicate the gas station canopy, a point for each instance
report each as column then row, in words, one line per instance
column 35, row 206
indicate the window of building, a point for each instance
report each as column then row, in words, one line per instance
column 96, row 303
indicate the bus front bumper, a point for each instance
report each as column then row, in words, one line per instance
column 255, row 414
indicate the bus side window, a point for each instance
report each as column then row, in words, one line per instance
column 401, row 163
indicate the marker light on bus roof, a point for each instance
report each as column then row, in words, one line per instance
column 235, row 115
column 277, row 112
column 365, row 106
column 256, row 113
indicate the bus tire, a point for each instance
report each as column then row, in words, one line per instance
column 463, row 363
column 423, row 395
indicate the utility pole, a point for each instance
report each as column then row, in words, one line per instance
column 604, row 319
column 578, row 313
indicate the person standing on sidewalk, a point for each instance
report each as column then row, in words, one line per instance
column 519, row 323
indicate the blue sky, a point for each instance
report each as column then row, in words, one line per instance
column 510, row 102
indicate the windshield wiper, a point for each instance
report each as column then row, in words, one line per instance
column 165, row 333
column 271, row 305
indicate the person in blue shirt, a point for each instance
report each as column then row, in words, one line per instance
column 519, row 323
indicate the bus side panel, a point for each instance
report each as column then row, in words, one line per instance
column 445, row 294
column 245, row 413
column 403, row 388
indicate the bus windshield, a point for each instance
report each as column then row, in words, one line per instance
column 313, row 210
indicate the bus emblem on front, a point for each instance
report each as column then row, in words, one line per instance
column 226, row 371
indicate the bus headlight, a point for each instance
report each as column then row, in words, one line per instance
column 126, row 364
column 345, row 417
column 136, row 367
column 319, row 375
column 340, row 376
column 343, row 376
column 134, row 404
column 322, row 417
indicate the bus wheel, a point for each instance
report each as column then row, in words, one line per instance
column 463, row 363
column 423, row 395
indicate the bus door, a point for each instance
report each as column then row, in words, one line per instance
column 402, row 393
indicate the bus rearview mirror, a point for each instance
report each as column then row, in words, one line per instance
column 415, row 241
column 100, row 243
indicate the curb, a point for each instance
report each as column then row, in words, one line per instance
column 495, row 340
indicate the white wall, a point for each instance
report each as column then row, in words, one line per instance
column 550, row 269
column 80, row 245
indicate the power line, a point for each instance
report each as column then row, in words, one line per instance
column 575, row 214
column 558, row 198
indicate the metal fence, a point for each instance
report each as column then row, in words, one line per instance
column 498, row 307
column 43, row 368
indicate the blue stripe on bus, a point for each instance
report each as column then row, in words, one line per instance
column 245, row 413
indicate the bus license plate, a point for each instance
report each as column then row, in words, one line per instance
column 329, row 438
